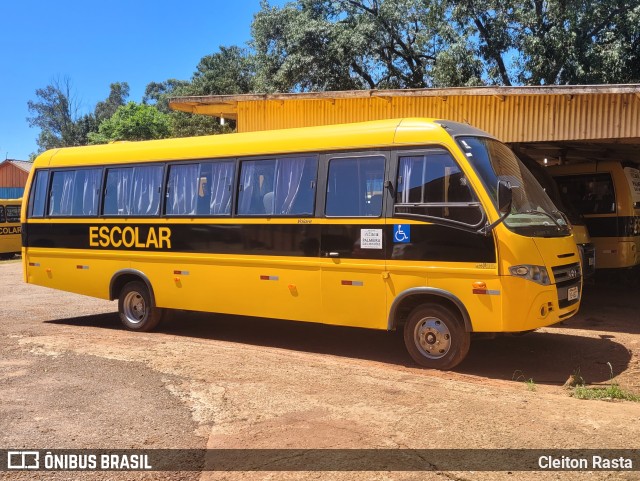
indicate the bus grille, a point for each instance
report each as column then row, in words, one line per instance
column 567, row 280
column 588, row 257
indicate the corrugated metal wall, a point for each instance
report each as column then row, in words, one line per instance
column 12, row 176
column 512, row 118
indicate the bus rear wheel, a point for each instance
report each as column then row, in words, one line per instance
column 435, row 337
column 136, row 310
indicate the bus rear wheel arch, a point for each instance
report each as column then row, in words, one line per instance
column 136, row 307
column 435, row 336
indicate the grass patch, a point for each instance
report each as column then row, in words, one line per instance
column 607, row 393
column 519, row 376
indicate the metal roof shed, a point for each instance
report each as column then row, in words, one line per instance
column 567, row 122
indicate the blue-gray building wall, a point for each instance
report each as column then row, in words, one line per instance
column 11, row 192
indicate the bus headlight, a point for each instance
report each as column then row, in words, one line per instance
column 537, row 274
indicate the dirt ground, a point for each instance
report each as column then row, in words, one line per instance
column 72, row 377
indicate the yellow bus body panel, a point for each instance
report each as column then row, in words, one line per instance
column 10, row 232
column 611, row 252
column 342, row 291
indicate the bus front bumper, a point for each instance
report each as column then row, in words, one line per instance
column 550, row 304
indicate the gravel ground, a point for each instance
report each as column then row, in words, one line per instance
column 71, row 377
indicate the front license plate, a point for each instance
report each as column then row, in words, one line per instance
column 573, row 293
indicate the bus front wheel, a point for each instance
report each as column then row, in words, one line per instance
column 136, row 310
column 435, row 337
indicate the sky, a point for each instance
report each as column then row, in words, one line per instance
column 97, row 43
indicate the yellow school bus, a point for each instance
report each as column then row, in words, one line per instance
column 10, row 229
column 607, row 194
column 563, row 203
column 426, row 225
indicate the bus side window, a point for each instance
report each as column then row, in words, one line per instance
column 2, row 218
column 200, row 189
column 589, row 193
column 115, row 197
column 276, row 187
column 61, row 193
column 40, row 193
column 295, row 186
column 133, row 190
column 73, row 193
column 435, row 178
column 13, row 213
column 182, row 189
column 147, row 188
column 87, row 192
column 256, row 184
column 354, row 187
column 215, row 188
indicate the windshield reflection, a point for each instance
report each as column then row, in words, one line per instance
column 532, row 211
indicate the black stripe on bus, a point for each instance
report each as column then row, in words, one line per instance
column 428, row 241
column 622, row 226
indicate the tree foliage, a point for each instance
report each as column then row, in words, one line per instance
column 118, row 95
column 133, row 122
column 56, row 114
column 158, row 93
column 228, row 71
column 314, row 45
column 578, row 42
column 349, row 44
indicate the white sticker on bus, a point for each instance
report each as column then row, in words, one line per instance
column 371, row 238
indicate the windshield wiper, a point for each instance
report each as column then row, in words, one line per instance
column 563, row 215
column 542, row 212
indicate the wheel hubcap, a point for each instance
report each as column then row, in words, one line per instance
column 432, row 338
column 134, row 308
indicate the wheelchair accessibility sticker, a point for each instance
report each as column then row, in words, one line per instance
column 402, row 233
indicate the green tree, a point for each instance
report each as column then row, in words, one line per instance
column 158, row 93
column 118, row 94
column 553, row 42
column 183, row 124
column 578, row 42
column 349, row 44
column 228, row 71
column 56, row 114
column 133, row 122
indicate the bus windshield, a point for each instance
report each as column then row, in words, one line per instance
column 532, row 211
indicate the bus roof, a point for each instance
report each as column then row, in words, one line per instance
column 377, row 133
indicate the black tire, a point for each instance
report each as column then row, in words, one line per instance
column 435, row 337
column 136, row 310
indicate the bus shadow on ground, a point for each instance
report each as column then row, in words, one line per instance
column 544, row 357
column 607, row 308
column 598, row 321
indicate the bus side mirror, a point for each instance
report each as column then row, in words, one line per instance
column 505, row 197
column 389, row 186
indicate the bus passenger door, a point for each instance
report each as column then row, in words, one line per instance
column 352, row 241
